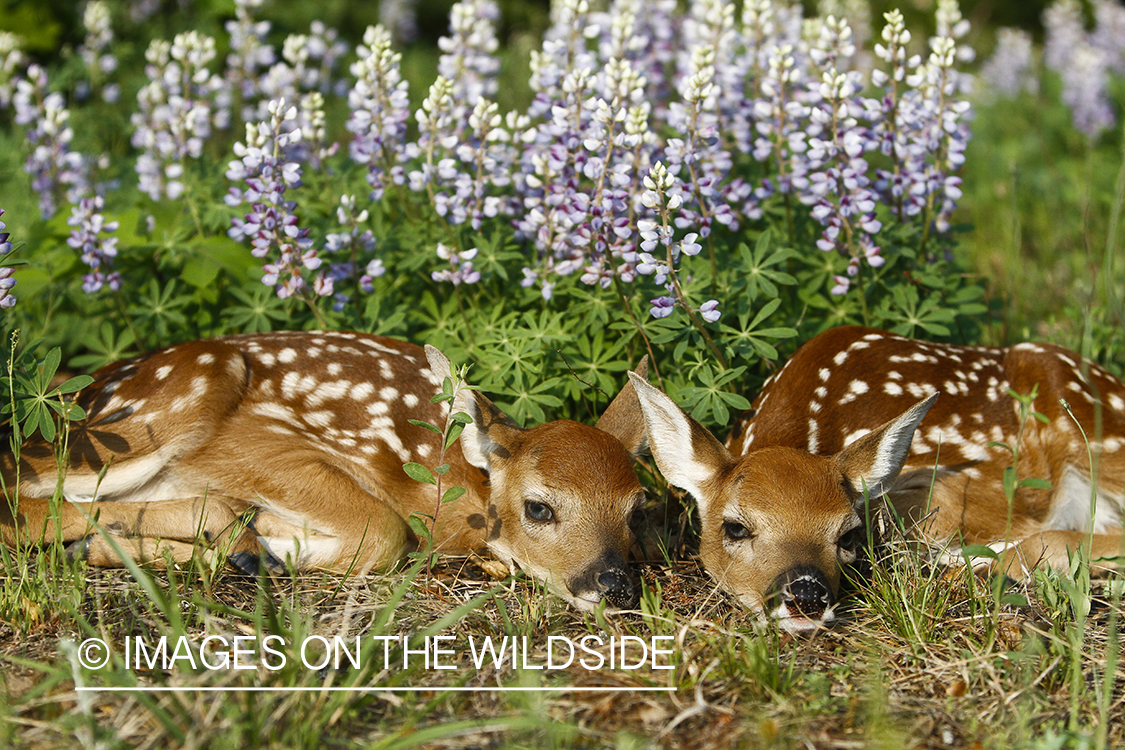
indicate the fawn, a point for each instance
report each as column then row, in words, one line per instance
column 858, row 412
column 295, row 442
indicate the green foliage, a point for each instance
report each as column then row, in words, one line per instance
column 35, row 404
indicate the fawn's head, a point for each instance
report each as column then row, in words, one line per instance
column 777, row 523
column 564, row 500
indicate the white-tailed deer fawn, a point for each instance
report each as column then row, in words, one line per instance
column 303, row 437
column 918, row 424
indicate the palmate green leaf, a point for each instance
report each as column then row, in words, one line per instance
column 758, row 267
column 74, row 385
column 161, row 310
column 528, row 404
column 749, row 341
column 258, row 310
column 910, row 313
column 711, row 401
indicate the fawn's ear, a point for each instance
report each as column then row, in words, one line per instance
column 688, row 455
column 623, row 418
column 875, row 460
column 492, row 433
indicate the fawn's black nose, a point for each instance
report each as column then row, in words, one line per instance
column 804, row 589
column 608, row 578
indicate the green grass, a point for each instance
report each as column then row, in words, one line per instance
column 897, row 671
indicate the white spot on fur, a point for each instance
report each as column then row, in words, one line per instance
column 854, row 436
column 856, row 388
column 362, row 391
column 273, row 410
column 814, row 436
column 410, row 400
column 388, row 393
column 161, row 373
column 287, row 355
column 825, row 373
column 206, row 358
column 892, row 389
column 318, row 418
column 839, row 358
column 335, row 389
column 821, row 392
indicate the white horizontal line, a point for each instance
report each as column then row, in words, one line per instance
column 376, row 689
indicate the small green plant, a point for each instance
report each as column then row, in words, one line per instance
column 454, row 424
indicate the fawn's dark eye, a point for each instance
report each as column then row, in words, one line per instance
column 637, row 519
column 852, row 540
column 735, row 531
column 537, row 511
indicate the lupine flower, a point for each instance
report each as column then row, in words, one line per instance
column 379, row 111
column 1010, row 69
column 177, row 111
column 272, row 225
column 100, row 62
column 11, row 60
column 662, row 307
column 661, row 195
column 400, row 18
column 779, row 119
column 308, row 64
column 249, row 54
column 349, row 251
column 96, row 251
column 838, row 184
column 460, row 269
column 1062, row 20
column 7, row 299
column 51, row 163
column 699, row 156
column 1082, row 63
column 709, row 311
column 1109, row 32
column 1085, row 83
column 468, row 60
column 942, row 136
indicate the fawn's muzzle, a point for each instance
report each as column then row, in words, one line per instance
column 804, row 591
column 608, row 578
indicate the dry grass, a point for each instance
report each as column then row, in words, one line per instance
column 986, row 676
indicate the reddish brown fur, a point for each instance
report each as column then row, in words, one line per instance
column 972, row 410
column 310, row 431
